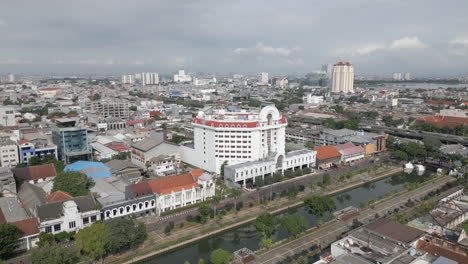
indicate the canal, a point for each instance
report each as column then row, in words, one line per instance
column 247, row 236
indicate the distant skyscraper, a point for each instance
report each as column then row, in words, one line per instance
column 343, row 78
column 328, row 68
column 182, row 77
column 128, row 79
column 397, row 76
column 264, row 77
column 149, row 78
column 407, row 76
column 11, row 77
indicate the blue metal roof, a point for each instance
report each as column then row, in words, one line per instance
column 92, row 169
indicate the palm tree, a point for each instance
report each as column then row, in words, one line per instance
column 214, row 201
column 236, row 193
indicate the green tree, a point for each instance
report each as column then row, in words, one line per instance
column 201, row 261
column 318, row 205
column 54, row 254
column 47, row 159
column 400, row 155
column 9, row 236
column 236, row 193
column 93, row 240
column 294, row 224
column 225, row 163
column 214, row 201
column 96, row 97
column 309, row 145
column 254, row 103
column 221, row 256
column 431, row 143
column 203, row 213
column 123, row 234
column 326, row 179
column 265, row 223
column 267, row 242
column 73, row 182
column 121, row 156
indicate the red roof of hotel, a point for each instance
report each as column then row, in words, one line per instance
column 27, row 227
column 230, row 124
column 21, row 142
column 444, row 121
column 343, row 64
column 176, row 183
column 58, row 196
column 440, row 251
column 134, row 122
column 352, row 150
column 155, row 113
column 35, row 172
column 437, row 102
column 50, row 89
column 118, row 147
column 326, row 152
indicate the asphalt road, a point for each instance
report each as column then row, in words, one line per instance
column 331, row 233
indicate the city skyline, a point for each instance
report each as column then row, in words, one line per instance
column 380, row 37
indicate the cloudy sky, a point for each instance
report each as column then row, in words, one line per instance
column 424, row 37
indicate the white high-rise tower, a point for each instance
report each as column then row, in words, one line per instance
column 343, row 78
column 149, row 78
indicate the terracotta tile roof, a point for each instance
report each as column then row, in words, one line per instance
column 352, row 150
column 141, row 189
column 118, row 147
column 175, row 183
column 444, row 121
column 440, row 251
column 21, row 142
column 437, row 102
column 326, row 152
column 35, row 172
column 58, row 196
column 27, row 227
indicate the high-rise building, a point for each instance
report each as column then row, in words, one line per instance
column 407, row 76
column 7, row 116
column 182, row 77
column 108, row 108
column 149, row 78
column 264, row 77
column 397, row 76
column 328, row 68
column 11, row 78
column 248, row 143
column 71, row 139
column 343, row 78
column 128, row 79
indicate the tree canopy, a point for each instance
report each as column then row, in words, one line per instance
column 9, row 236
column 46, row 160
column 73, row 182
column 294, row 224
column 265, row 224
column 54, row 254
column 92, row 240
column 318, row 205
column 221, row 256
column 124, row 234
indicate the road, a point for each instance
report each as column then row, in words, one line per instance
column 331, row 233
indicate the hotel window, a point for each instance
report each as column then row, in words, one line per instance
column 72, row 224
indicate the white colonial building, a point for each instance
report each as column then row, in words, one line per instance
column 68, row 215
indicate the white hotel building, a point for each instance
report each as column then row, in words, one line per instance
column 254, row 140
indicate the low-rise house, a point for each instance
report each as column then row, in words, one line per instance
column 148, row 148
column 350, row 153
column 36, row 174
column 29, row 233
column 7, row 182
column 327, row 156
column 31, row 196
column 8, row 152
column 125, row 170
column 70, row 215
column 454, row 149
column 37, row 148
column 164, row 165
column 438, row 246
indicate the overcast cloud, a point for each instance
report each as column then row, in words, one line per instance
column 424, row 37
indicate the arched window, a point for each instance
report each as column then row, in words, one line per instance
column 238, row 126
column 146, row 204
column 244, row 126
column 107, row 213
column 220, row 125
column 128, row 208
column 121, row 210
column 152, row 202
column 140, row 205
column 134, row 207
column 114, row 212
